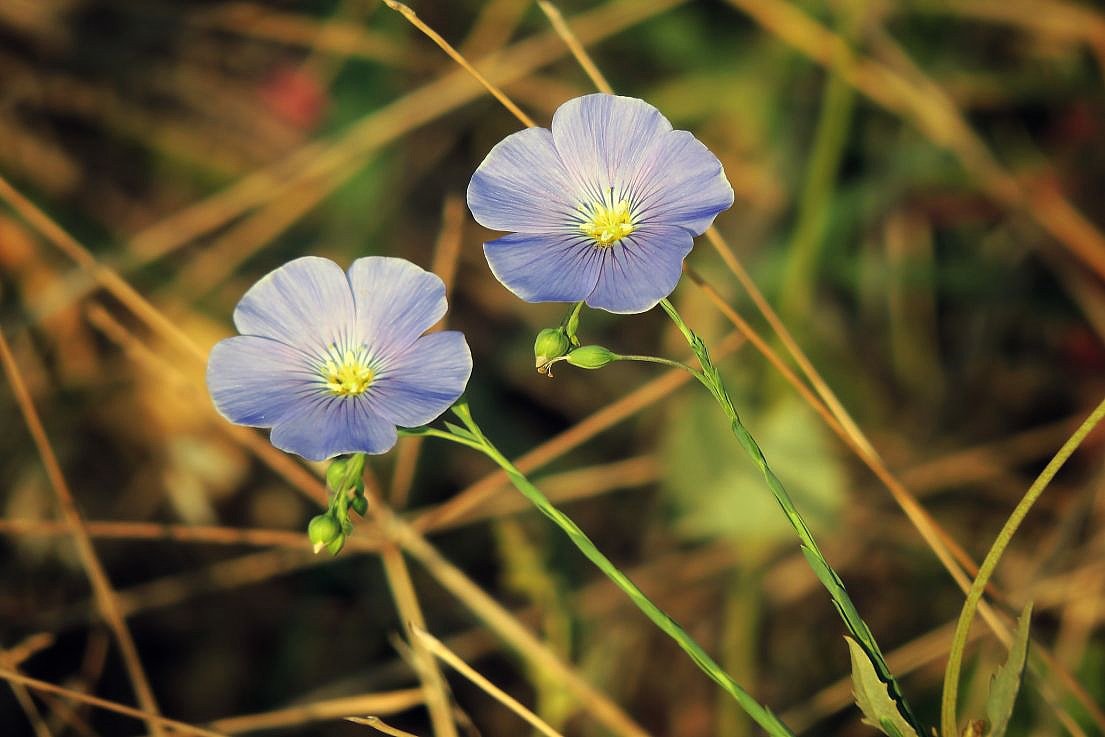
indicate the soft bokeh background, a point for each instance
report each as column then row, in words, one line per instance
column 927, row 221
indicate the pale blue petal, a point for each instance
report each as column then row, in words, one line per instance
column 545, row 267
column 640, row 270
column 418, row 386
column 601, row 138
column 330, row 425
column 680, row 182
column 256, row 381
column 305, row 303
column 522, row 186
column 396, row 302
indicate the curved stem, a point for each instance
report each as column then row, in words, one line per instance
column 433, row 432
column 663, row 362
column 758, row 712
column 828, row 577
column 970, row 606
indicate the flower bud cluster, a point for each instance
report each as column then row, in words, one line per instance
column 345, row 480
column 561, row 344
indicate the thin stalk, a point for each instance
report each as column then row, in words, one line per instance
column 643, row 359
column 662, row 361
column 974, row 596
column 758, row 712
column 711, row 379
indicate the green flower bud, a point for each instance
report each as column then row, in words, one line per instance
column 551, row 343
column 345, row 471
column 571, row 325
column 334, row 547
column 591, row 357
column 335, row 474
column 322, row 530
column 360, row 505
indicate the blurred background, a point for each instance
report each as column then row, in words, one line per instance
column 918, row 193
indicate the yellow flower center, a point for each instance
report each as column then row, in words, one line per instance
column 607, row 222
column 347, row 375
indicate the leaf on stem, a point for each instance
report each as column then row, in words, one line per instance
column 873, row 696
column 1006, row 681
column 460, row 432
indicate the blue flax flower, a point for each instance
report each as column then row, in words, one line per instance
column 333, row 362
column 604, row 207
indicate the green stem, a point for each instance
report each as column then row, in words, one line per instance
column 711, row 378
column 431, row 432
column 662, row 361
column 974, row 595
column 758, row 712
column 814, row 205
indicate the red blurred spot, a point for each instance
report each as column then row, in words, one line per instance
column 1078, row 124
column 1082, row 349
column 295, row 96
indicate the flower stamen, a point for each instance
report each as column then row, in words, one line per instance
column 607, row 222
column 347, row 374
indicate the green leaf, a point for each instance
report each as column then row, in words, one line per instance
column 873, row 696
column 460, row 432
column 1007, row 679
column 889, row 728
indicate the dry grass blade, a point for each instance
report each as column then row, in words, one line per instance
column 434, row 686
column 101, row 585
column 25, row 649
column 12, row 659
column 26, row 703
column 556, row 19
column 455, row 55
column 152, row 719
column 390, row 702
column 380, row 726
column 438, row 648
